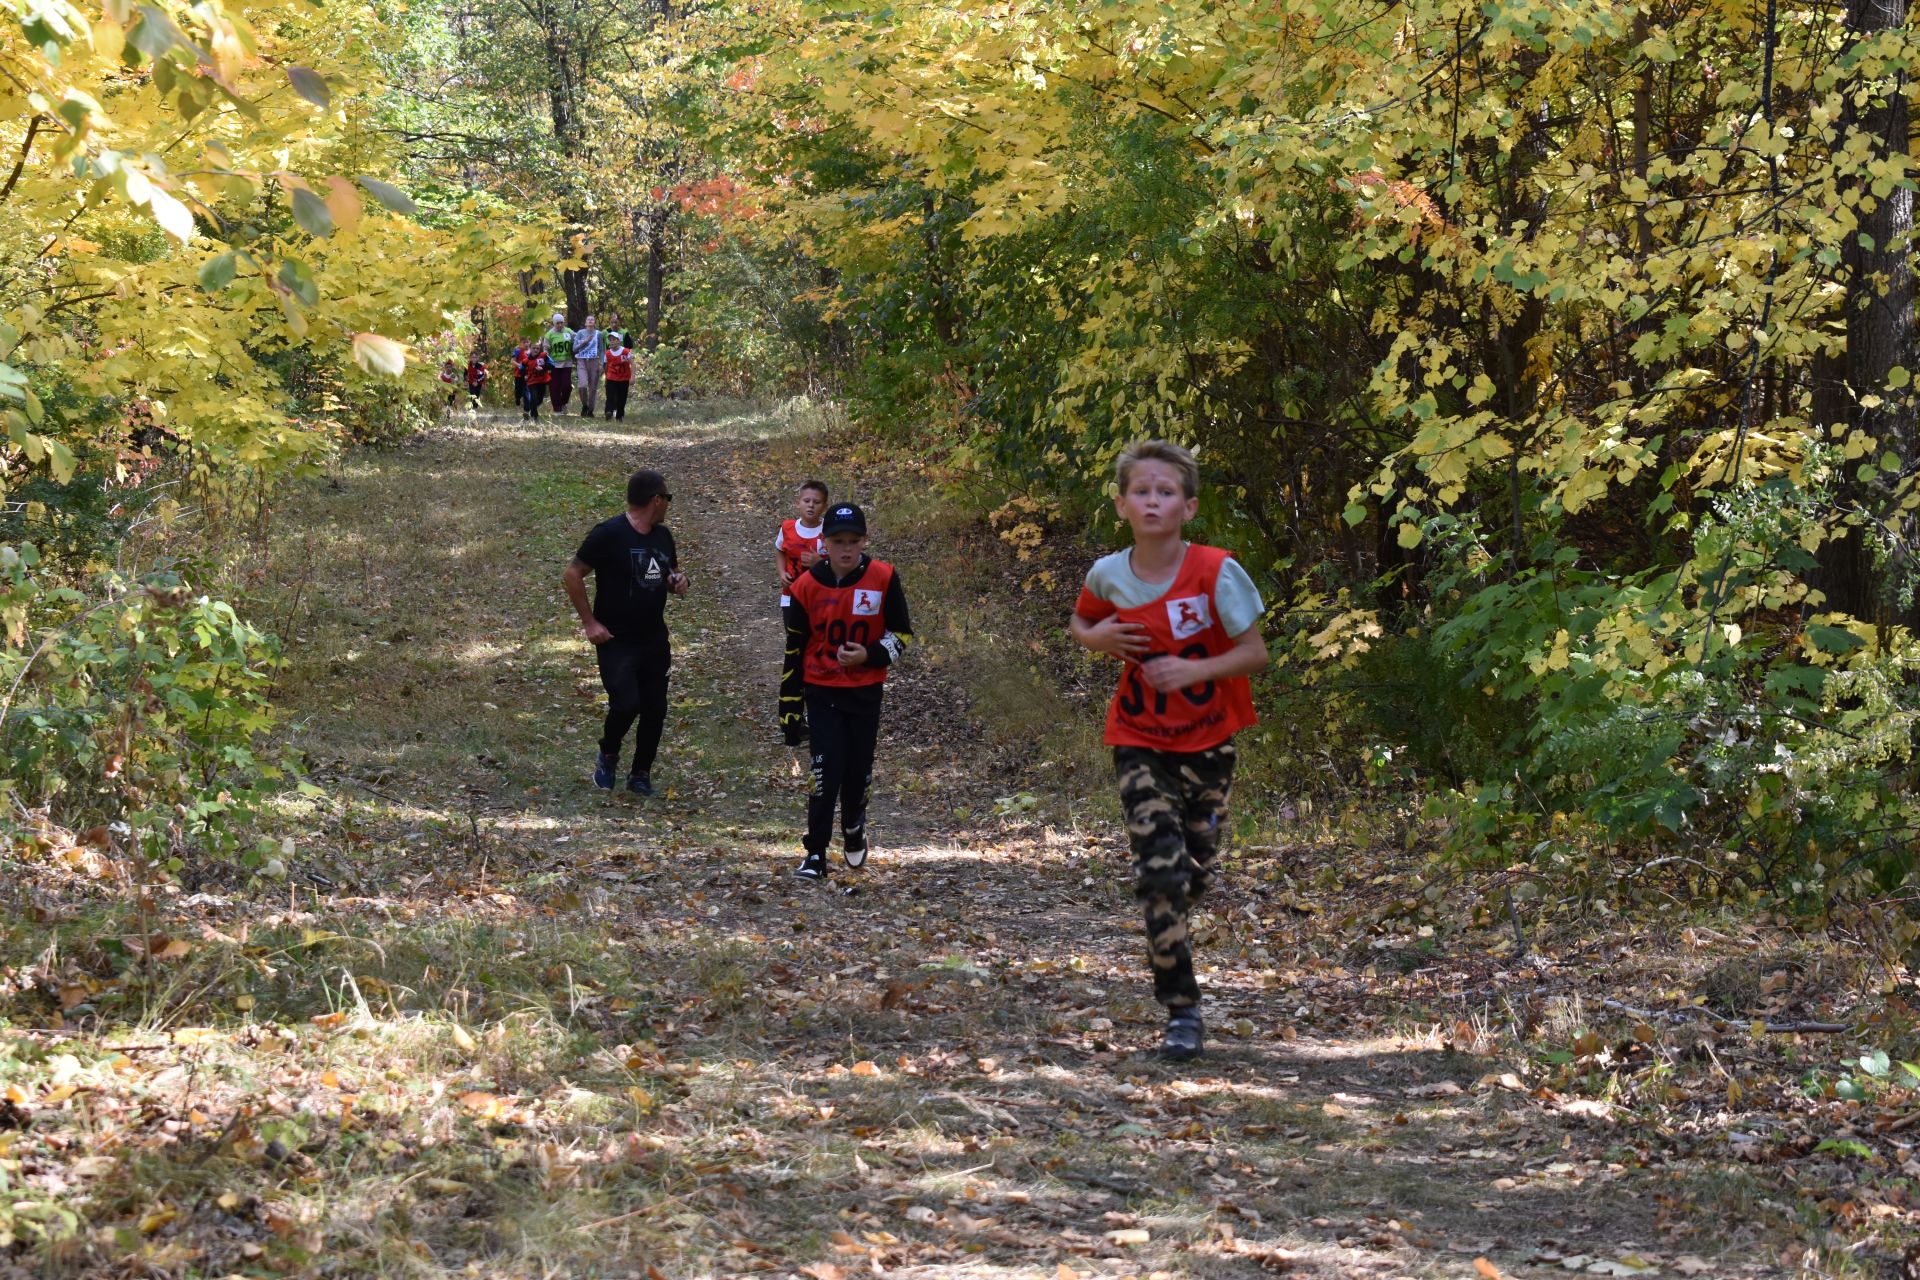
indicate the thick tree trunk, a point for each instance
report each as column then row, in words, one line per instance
column 1877, row 309
column 573, row 284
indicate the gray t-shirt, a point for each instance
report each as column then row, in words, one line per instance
column 1234, row 595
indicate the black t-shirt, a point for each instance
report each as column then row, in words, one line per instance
column 630, row 577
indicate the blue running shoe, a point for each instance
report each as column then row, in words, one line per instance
column 603, row 767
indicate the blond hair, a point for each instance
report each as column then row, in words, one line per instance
column 1159, row 451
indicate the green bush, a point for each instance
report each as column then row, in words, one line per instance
column 133, row 702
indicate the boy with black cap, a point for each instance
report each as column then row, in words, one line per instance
column 847, row 616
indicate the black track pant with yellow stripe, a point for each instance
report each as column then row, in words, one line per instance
column 1173, row 801
column 793, row 694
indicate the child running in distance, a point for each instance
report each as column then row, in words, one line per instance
column 539, row 374
column 796, row 548
column 619, row 376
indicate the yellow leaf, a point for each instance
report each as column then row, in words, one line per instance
column 376, row 354
column 173, row 217
column 343, row 202
column 485, row 1105
column 109, row 37
column 640, row 1097
column 463, row 1039
column 1410, row 535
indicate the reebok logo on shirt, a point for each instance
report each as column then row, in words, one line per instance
column 1188, row 616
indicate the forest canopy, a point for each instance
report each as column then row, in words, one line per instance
column 1550, row 365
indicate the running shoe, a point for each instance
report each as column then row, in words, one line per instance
column 812, row 867
column 640, row 784
column 603, row 767
column 1186, row 1035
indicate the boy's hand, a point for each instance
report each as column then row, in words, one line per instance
column 852, row 655
column 1112, row 636
column 1170, row 675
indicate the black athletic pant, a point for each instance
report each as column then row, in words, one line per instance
column 845, row 725
column 520, row 392
column 617, row 400
column 635, row 676
column 560, row 387
column 792, row 707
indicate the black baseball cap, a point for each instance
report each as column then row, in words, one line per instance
column 845, row 518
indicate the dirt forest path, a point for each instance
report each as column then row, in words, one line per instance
column 673, row 1059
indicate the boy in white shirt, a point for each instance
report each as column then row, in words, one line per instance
column 796, row 548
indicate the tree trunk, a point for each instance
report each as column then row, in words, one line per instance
column 573, row 284
column 656, row 272
column 1877, row 310
column 945, row 327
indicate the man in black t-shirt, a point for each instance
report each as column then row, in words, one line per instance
column 635, row 569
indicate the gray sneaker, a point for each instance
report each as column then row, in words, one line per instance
column 1186, row 1035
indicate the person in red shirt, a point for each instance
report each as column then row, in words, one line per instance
column 476, row 380
column 796, row 548
column 539, row 374
column 847, row 616
column 619, row 376
column 522, row 352
column 1184, row 620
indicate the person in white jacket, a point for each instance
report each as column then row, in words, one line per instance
column 589, row 364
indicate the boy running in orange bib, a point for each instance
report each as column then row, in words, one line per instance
column 795, row 549
column 848, row 618
column 1184, row 620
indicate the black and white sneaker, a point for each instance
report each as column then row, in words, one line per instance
column 855, row 845
column 1186, row 1035
column 812, row 867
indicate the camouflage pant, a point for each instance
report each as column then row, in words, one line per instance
column 1173, row 802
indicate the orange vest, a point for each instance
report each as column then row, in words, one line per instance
column 853, row 614
column 1182, row 622
column 792, row 544
column 620, row 364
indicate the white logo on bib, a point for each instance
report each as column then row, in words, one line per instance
column 1189, row 616
column 866, row 604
